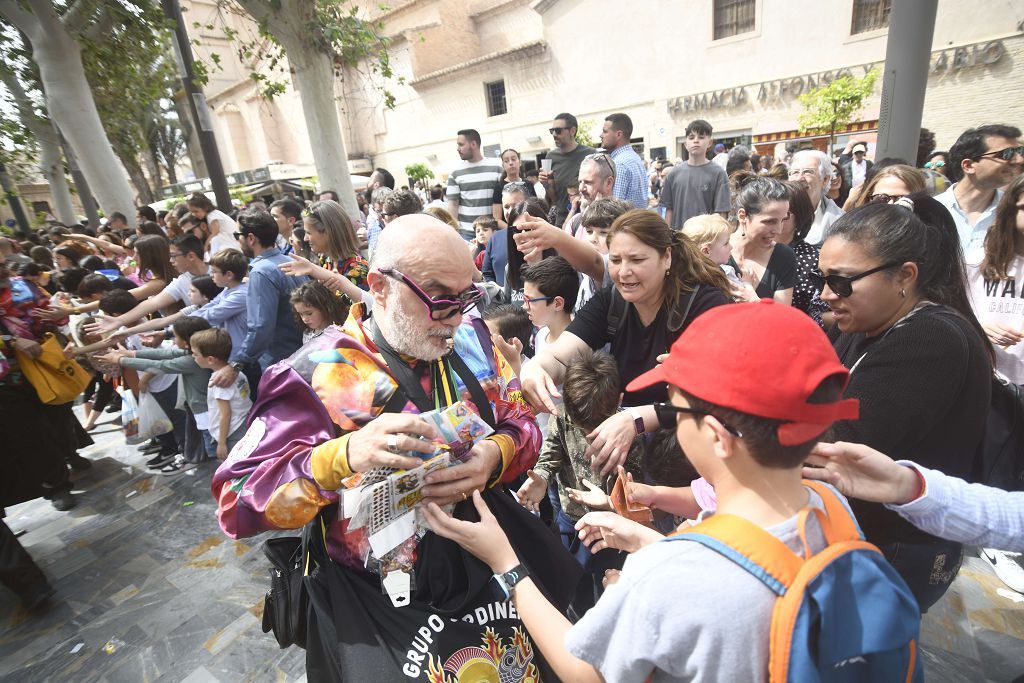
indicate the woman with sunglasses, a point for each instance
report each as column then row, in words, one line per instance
column 661, row 282
column 887, row 184
column 893, row 277
column 331, row 236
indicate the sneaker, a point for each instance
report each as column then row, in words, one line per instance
column 150, row 448
column 1007, row 567
column 63, row 501
column 178, row 466
column 161, row 459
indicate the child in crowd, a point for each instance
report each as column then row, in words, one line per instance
column 711, row 233
column 591, row 394
column 201, row 291
column 749, row 436
column 484, row 227
column 549, row 295
column 511, row 331
column 596, row 222
column 228, row 407
column 193, row 381
column 316, row 308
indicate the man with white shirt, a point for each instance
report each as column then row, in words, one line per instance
column 287, row 213
column 815, row 169
column 471, row 185
column 981, row 161
column 857, row 167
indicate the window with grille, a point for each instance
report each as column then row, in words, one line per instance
column 869, row 15
column 733, row 17
column 496, row 105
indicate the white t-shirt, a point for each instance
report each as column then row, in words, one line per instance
column 178, row 287
column 158, row 381
column 225, row 238
column 1000, row 302
column 238, row 396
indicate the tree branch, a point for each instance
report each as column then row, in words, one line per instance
column 260, row 10
column 76, row 19
column 22, row 19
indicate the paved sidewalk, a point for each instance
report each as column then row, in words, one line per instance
column 148, row 588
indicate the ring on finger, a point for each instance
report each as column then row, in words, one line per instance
column 393, row 443
column 464, row 496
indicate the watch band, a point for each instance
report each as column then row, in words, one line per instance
column 638, row 421
column 507, row 581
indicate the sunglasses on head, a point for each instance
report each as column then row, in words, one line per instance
column 842, row 285
column 1005, row 154
column 442, row 307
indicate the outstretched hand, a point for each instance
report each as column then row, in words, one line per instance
column 862, row 472
column 485, row 539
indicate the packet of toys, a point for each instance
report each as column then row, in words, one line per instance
column 460, row 426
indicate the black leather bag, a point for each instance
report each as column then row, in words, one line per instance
column 287, row 602
column 1000, row 460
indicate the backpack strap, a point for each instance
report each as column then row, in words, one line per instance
column 616, row 312
column 841, row 526
column 749, row 546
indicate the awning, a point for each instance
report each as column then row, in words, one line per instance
column 768, row 138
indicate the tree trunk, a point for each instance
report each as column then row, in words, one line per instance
column 51, row 161
column 81, row 185
column 153, row 166
column 195, row 152
column 314, row 78
column 69, row 99
column 138, row 177
column 172, row 174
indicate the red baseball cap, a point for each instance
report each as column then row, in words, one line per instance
column 763, row 359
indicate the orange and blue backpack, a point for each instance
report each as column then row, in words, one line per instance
column 842, row 614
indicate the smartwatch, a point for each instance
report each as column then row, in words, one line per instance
column 638, row 421
column 239, row 367
column 505, row 583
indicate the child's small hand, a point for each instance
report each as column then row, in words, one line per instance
column 152, row 340
column 70, row 351
column 532, row 492
column 222, row 451
column 593, row 498
column 144, row 384
column 637, row 494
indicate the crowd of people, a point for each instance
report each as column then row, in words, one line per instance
column 653, row 345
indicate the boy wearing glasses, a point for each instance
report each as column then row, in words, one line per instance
column 680, row 610
column 981, row 161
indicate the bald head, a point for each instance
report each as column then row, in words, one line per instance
column 417, row 238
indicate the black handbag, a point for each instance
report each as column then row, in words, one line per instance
column 286, row 604
column 1000, row 460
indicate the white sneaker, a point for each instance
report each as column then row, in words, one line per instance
column 178, row 466
column 1007, row 567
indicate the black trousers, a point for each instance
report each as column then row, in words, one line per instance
column 18, row 571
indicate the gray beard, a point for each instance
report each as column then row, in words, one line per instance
column 401, row 333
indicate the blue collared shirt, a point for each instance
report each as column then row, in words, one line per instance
column 374, row 226
column 972, row 237
column 271, row 331
column 228, row 310
column 630, row 177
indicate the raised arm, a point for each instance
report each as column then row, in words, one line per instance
column 539, row 234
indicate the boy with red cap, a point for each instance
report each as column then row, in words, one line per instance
column 752, row 387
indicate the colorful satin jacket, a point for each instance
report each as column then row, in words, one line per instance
column 284, row 471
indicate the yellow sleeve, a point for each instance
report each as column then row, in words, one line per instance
column 329, row 463
column 508, row 450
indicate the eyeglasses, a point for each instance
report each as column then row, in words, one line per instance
column 667, row 411
column 935, row 164
column 556, row 131
column 1004, row 154
column 803, row 172
column 442, row 307
column 176, row 254
column 598, row 158
column 240, row 234
column 527, row 302
column 842, row 285
column 882, row 198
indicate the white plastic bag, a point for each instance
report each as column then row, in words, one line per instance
column 152, row 419
column 130, row 417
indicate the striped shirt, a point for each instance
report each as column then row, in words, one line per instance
column 472, row 187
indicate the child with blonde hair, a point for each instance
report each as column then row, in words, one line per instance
column 711, row 232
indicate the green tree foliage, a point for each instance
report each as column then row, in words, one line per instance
column 585, row 133
column 417, row 172
column 836, row 105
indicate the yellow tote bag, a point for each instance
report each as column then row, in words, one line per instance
column 55, row 378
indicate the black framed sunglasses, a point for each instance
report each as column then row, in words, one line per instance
column 666, row 412
column 239, row 235
column 557, row 130
column 442, row 307
column 842, row 285
column 1005, row 154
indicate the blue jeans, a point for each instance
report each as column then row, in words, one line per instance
column 928, row 568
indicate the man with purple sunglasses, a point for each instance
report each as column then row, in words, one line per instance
column 346, row 404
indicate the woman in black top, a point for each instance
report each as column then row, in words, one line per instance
column 762, row 204
column 661, row 282
column 893, row 277
column 794, row 229
column 512, row 173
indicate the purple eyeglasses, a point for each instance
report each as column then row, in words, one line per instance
column 442, row 307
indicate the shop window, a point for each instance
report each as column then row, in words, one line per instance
column 496, row 104
column 733, row 17
column 869, row 15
